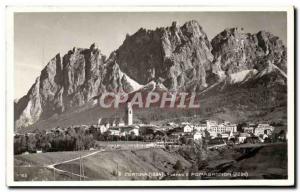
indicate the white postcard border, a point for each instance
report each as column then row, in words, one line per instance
column 10, row 97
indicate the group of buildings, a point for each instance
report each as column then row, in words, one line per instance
column 214, row 129
column 119, row 127
column 227, row 130
column 260, row 129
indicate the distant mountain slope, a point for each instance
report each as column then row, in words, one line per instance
column 237, row 74
column 258, row 96
column 262, row 97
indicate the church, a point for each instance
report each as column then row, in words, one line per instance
column 117, row 121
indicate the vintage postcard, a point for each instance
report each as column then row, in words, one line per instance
column 150, row 96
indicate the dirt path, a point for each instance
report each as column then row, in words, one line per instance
column 52, row 166
column 216, row 146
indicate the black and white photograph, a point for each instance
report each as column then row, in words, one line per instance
column 150, row 96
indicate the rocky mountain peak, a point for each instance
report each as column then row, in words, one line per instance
column 70, row 81
column 94, row 47
column 177, row 54
column 179, row 57
column 235, row 51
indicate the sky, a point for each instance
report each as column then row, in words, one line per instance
column 38, row 37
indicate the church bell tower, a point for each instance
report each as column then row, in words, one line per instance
column 129, row 114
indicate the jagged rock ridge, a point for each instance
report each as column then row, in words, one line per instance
column 177, row 57
column 70, row 81
column 235, row 51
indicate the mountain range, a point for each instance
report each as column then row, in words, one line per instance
column 237, row 75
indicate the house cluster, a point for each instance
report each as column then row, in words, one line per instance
column 199, row 130
column 117, row 126
column 124, row 130
column 108, row 123
column 224, row 130
column 211, row 128
column 263, row 129
column 171, row 131
column 214, row 128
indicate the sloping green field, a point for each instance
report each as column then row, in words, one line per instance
column 115, row 165
column 108, row 165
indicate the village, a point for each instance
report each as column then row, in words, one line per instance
column 88, row 137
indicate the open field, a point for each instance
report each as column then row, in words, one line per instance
column 107, row 165
column 117, row 165
column 33, row 167
column 267, row 161
column 42, row 159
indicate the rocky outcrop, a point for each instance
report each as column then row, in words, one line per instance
column 177, row 58
column 71, row 81
column 235, row 51
column 175, row 55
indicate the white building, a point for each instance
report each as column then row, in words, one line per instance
column 135, row 131
column 128, row 130
column 222, row 128
column 187, row 129
column 242, row 137
column 200, row 127
column 105, row 123
column 211, row 124
column 213, row 134
column 114, row 131
column 265, row 136
column 262, row 129
column 103, row 128
column 197, row 136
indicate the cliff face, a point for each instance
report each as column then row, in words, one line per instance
column 70, row 81
column 174, row 55
column 235, row 51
